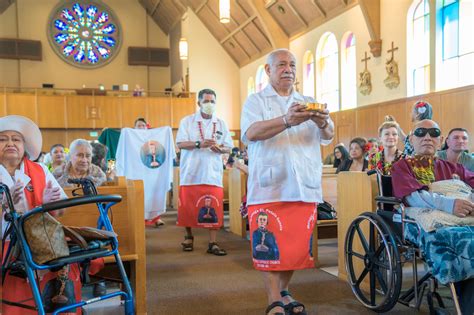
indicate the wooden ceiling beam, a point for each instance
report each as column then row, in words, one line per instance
column 240, row 46
column 276, row 35
column 371, row 11
column 239, row 28
column 155, row 7
column 319, row 8
column 344, row 2
column 199, row 8
column 298, row 15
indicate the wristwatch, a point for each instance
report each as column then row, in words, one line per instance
column 197, row 144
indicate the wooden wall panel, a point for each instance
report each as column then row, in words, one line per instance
column 181, row 107
column 3, row 105
column 159, row 111
column 399, row 111
column 22, row 104
column 132, row 108
column 77, row 108
column 457, row 110
column 72, row 135
column 51, row 111
column 367, row 121
column 53, row 136
column 110, row 113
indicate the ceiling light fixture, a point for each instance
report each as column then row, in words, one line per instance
column 281, row 9
column 183, row 49
column 224, row 11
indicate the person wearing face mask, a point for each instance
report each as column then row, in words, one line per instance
column 202, row 138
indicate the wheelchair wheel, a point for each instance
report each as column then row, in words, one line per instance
column 378, row 258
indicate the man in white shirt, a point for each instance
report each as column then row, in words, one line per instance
column 202, row 139
column 284, row 139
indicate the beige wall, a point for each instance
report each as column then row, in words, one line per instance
column 211, row 67
column 137, row 30
column 393, row 28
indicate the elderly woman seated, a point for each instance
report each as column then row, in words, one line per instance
column 31, row 185
column 79, row 165
column 447, row 250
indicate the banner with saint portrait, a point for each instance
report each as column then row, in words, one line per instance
column 148, row 154
column 281, row 235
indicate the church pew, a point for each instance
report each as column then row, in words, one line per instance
column 127, row 218
column 356, row 191
column 237, row 186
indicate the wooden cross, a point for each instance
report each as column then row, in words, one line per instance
column 365, row 60
column 392, row 50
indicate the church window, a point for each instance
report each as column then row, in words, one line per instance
column 348, row 72
column 327, row 71
column 308, row 74
column 250, row 86
column 261, row 79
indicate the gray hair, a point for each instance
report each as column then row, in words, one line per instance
column 79, row 143
column 271, row 56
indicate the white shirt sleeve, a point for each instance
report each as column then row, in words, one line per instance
column 252, row 112
column 183, row 134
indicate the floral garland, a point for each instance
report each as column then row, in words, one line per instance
column 423, row 167
column 201, row 133
column 377, row 161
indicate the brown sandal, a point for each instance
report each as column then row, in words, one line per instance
column 216, row 250
column 188, row 247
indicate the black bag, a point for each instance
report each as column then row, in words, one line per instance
column 326, row 211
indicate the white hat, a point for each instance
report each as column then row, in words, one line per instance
column 28, row 129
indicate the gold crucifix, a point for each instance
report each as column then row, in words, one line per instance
column 392, row 50
column 365, row 60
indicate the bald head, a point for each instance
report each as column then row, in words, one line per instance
column 426, row 137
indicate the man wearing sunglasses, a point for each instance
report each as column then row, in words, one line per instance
column 411, row 178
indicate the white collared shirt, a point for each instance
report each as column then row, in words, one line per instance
column 288, row 166
column 202, row 166
column 22, row 205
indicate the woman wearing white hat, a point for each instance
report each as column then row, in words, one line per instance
column 31, row 184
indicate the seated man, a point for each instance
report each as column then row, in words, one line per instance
column 456, row 149
column 448, row 251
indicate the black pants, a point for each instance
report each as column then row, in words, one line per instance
column 465, row 290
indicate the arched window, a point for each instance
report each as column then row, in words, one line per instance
column 308, row 74
column 250, row 86
column 455, row 47
column 327, row 71
column 348, row 71
column 261, row 79
column 418, row 48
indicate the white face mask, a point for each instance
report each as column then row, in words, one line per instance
column 208, row 108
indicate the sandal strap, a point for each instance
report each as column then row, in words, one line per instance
column 285, row 293
column 292, row 305
column 187, row 237
column 273, row 305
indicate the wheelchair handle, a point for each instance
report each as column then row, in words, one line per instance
column 372, row 172
column 71, row 202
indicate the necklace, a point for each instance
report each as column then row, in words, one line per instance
column 201, row 133
column 386, row 166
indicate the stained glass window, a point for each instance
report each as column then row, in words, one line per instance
column 250, row 86
column 455, row 48
column 327, row 71
column 84, row 33
column 348, row 71
column 261, row 79
column 418, row 48
column 308, row 74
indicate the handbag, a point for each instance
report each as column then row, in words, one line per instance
column 45, row 237
column 326, row 211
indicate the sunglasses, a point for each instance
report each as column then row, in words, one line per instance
column 421, row 132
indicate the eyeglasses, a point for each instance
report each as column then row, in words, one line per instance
column 421, row 132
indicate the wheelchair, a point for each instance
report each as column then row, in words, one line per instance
column 23, row 265
column 381, row 257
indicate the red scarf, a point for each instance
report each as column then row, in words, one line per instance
column 35, row 188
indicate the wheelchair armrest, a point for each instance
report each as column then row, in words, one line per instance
column 389, row 200
column 72, row 202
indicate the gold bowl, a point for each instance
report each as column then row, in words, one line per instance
column 315, row 106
